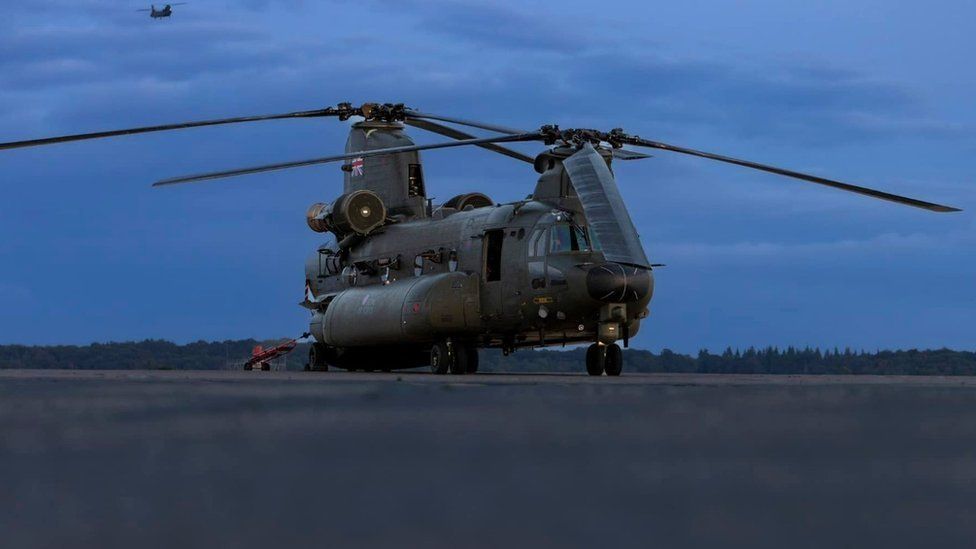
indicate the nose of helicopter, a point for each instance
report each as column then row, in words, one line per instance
column 616, row 283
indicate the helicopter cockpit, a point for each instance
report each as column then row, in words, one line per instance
column 557, row 243
column 560, row 234
column 568, row 238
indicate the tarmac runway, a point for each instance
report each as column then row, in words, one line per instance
column 267, row 459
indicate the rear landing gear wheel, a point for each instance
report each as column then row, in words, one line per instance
column 459, row 359
column 440, row 358
column 613, row 364
column 317, row 358
column 595, row 357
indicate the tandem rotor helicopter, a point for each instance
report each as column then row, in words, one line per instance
column 401, row 282
column 166, row 11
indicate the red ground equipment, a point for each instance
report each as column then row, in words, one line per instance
column 261, row 358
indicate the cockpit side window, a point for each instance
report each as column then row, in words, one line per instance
column 537, row 245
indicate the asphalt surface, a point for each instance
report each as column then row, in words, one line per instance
column 267, row 459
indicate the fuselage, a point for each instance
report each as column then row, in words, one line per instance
column 533, row 275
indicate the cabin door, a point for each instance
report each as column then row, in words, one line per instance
column 492, row 257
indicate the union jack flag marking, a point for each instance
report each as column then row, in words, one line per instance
column 357, row 166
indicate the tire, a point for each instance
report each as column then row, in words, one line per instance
column 595, row 358
column 459, row 366
column 613, row 364
column 265, row 367
column 440, row 359
column 472, row 357
column 318, row 358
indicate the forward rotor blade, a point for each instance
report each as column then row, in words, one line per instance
column 606, row 213
column 458, row 134
column 348, row 156
column 470, row 123
column 796, row 175
column 624, row 154
column 165, row 127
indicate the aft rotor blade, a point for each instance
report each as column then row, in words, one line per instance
column 480, row 125
column 796, row 175
column 165, row 127
column 605, row 210
column 458, row 134
column 348, row 156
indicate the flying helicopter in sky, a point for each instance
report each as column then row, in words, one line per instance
column 166, row 10
column 401, row 282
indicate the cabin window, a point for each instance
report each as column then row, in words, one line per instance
column 493, row 254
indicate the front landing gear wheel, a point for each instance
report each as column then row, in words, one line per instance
column 595, row 357
column 317, row 358
column 614, row 361
column 440, row 358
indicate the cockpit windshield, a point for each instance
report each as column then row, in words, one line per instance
column 565, row 237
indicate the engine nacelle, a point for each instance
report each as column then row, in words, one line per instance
column 359, row 212
column 467, row 201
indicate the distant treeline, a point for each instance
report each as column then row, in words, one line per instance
column 202, row 355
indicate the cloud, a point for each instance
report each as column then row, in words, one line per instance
column 784, row 252
column 809, row 105
column 60, row 57
column 501, row 28
column 473, row 59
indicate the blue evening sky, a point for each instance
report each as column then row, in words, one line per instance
column 876, row 92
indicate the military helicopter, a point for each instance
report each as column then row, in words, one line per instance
column 167, row 10
column 401, row 282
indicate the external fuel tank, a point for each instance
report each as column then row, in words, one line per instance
column 410, row 310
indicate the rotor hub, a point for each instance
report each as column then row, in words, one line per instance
column 383, row 112
column 577, row 137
